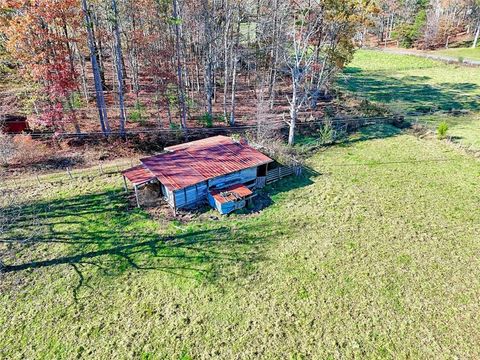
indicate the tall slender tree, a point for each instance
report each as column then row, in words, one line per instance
column 119, row 68
column 177, row 21
column 99, row 94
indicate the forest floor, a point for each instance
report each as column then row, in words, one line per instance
column 373, row 253
column 423, row 90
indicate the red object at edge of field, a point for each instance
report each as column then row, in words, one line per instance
column 15, row 125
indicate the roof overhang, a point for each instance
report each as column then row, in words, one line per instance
column 139, row 175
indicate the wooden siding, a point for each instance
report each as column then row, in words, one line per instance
column 196, row 194
column 191, row 196
column 168, row 195
column 239, row 177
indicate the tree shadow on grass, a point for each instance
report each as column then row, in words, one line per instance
column 101, row 234
column 380, row 131
column 412, row 92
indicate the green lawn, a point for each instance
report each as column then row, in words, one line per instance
column 410, row 84
column 374, row 254
column 464, row 129
column 465, row 53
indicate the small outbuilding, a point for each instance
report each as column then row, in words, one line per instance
column 216, row 170
column 14, row 124
column 229, row 199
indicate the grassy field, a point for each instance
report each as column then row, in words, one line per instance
column 464, row 53
column 464, row 129
column 373, row 254
column 409, row 84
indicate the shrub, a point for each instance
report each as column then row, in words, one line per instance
column 407, row 33
column 206, row 120
column 221, row 119
column 442, row 130
column 275, row 147
column 326, row 133
column 77, row 100
column 137, row 114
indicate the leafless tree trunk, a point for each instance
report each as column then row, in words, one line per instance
column 181, row 90
column 119, row 68
column 477, row 34
column 100, row 98
column 234, row 57
column 226, row 46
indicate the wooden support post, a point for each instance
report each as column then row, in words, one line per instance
column 38, row 179
column 174, row 204
column 136, row 195
column 101, row 169
column 69, row 173
column 125, row 186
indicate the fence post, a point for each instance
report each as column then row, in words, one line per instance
column 69, row 173
column 38, row 179
column 101, row 169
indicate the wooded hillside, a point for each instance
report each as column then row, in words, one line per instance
column 175, row 61
column 110, row 65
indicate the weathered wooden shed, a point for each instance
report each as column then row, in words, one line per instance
column 187, row 173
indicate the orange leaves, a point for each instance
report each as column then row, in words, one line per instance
column 37, row 37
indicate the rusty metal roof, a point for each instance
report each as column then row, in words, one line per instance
column 231, row 193
column 138, row 175
column 191, row 163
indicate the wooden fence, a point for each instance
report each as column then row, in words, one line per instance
column 282, row 171
column 68, row 174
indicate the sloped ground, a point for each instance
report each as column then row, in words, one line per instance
column 432, row 90
column 460, row 53
column 373, row 254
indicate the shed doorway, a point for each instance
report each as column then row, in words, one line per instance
column 262, row 170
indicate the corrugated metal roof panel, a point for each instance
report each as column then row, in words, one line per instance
column 190, row 163
column 231, row 193
column 138, row 174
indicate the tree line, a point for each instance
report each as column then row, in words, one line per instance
column 108, row 53
column 178, row 49
column 427, row 24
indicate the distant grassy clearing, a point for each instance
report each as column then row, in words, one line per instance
column 408, row 84
column 376, row 256
column 466, row 53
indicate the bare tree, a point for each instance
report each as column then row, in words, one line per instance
column 119, row 68
column 181, row 91
column 299, row 60
column 100, row 97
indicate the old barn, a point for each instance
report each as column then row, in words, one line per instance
column 217, row 170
